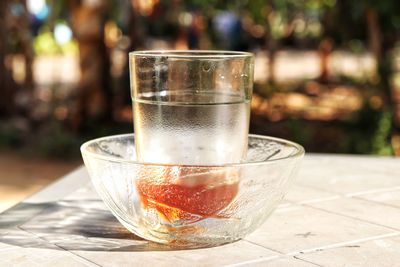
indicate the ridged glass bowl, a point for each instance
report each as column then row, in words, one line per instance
column 191, row 206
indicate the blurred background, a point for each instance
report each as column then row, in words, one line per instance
column 326, row 75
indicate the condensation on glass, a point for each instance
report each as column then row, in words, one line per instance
column 191, row 107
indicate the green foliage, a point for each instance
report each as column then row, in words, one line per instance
column 380, row 140
column 301, row 133
column 45, row 44
column 57, row 141
column 369, row 132
column 10, row 136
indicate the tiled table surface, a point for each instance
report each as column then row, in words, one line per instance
column 342, row 211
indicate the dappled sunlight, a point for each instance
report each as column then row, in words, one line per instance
column 84, row 225
column 335, row 103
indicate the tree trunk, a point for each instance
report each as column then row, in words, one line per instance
column 272, row 47
column 133, row 27
column 380, row 53
column 22, row 28
column 122, row 97
column 324, row 51
column 325, row 46
column 7, row 84
column 26, row 40
column 271, row 43
column 374, row 34
column 381, row 46
column 94, row 94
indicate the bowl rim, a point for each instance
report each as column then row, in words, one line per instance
column 299, row 153
column 192, row 54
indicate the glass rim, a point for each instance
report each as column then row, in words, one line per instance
column 299, row 153
column 195, row 54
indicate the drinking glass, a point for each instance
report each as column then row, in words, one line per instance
column 191, row 107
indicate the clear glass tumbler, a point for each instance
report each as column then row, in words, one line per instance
column 191, row 107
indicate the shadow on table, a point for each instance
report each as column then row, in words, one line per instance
column 71, row 225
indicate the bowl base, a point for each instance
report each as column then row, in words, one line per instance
column 172, row 241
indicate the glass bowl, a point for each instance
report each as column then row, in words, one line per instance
column 191, row 206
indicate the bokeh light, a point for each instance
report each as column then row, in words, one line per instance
column 62, row 33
